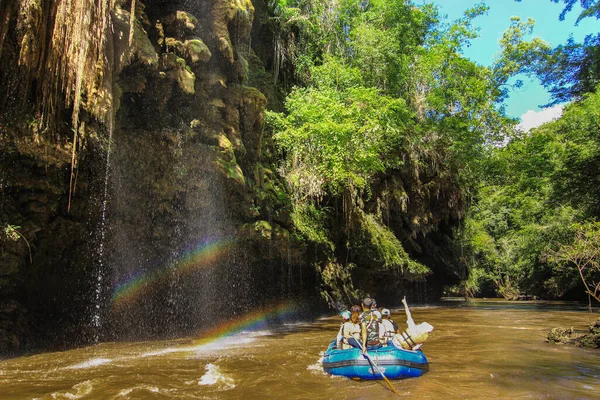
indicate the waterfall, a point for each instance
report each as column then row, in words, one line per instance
column 96, row 318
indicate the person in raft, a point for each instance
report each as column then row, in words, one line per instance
column 415, row 335
column 340, row 336
column 369, row 326
column 351, row 332
column 389, row 327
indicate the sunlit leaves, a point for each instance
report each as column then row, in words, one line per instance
column 342, row 134
column 538, row 186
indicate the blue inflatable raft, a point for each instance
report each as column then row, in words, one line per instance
column 394, row 363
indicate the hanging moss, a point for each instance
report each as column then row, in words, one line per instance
column 380, row 243
column 67, row 54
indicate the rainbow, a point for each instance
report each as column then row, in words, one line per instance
column 254, row 320
column 202, row 256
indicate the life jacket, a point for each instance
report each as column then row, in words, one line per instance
column 351, row 330
column 372, row 328
column 389, row 327
column 410, row 340
column 340, row 337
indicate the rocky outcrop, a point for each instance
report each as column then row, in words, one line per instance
column 561, row 335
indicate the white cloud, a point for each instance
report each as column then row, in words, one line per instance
column 532, row 119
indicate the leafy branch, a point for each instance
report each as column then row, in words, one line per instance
column 12, row 233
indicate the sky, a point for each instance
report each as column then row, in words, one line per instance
column 524, row 102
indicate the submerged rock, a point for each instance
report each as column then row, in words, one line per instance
column 562, row 335
column 592, row 338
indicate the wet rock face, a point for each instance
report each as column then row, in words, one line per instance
column 187, row 170
column 44, row 289
column 189, row 164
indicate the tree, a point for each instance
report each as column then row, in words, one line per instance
column 534, row 190
column 384, row 133
column 591, row 8
column 569, row 70
column 583, row 255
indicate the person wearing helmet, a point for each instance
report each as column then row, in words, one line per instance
column 340, row 336
column 369, row 325
column 415, row 335
column 352, row 331
column 389, row 327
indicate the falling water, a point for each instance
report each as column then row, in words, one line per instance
column 174, row 300
column 97, row 304
column 290, row 278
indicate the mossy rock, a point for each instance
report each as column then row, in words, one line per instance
column 180, row 24
column 560, row 335
column 178, row 70
column 138, row 49
column 592, row 338
column 192, row 50
column 196, row 51
column 241, row 68
column 231, row 170
column 226, row 48
column 264, row 228
column 132, row 83
column 215, row 80
column 280, row 233
column 186, row 80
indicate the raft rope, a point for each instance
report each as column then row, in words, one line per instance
column 408, row 339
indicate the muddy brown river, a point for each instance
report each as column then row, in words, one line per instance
column 481, row 350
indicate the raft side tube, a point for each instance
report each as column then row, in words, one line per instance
column 395, row 363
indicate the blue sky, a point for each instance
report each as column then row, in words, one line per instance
column 545, row 13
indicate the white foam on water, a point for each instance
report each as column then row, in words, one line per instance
column 213, row 376
column 81, row 389
column 317, row 368
column 125, row 392
column 94, row 362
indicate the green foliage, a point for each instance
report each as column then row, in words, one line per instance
column 339, row 137
column 383, row 90
column 11, row 232
column 537, row 188
column 579, row 256
column 310, row 222
column 378, row 243
column 567, row 71
column 577, row 180
column 518, row 55
column 591, row 8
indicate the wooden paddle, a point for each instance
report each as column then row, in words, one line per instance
column 380, row 372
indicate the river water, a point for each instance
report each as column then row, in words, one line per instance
column 482, row 350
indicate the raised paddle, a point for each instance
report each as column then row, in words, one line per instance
column 368, row 357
